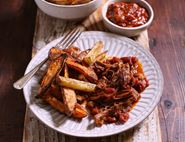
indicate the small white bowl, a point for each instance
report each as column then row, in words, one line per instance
column 128, row 31
column 68, row 12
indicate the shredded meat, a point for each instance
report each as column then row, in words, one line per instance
column 120, row 82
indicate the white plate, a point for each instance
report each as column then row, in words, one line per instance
column 117, row 46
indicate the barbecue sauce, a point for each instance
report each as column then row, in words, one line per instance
column 127, row 14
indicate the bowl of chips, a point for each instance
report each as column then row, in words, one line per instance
column 68, row 9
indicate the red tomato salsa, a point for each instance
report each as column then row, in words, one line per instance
column 127, row 14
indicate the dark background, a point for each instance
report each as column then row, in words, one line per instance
column 167, row 43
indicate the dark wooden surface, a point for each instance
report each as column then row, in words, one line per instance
column 167, row 42
column 16, row 31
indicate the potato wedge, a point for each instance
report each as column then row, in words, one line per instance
column 66, row 72
column 95, row 51
column 58, row 105
column 69, row 96
column 72, row 51
column 55, row 91
column 62, row 2
column 69, row 2
column 55, row 53
column 75, row 84
column 54, row 67
column 79, row 111
column 87, row 72
column 102, row 56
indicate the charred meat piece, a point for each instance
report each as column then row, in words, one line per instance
column 110, row 114
column 102, row 83
column 123, row 94
column 132, row 99
column 99, row 68
column 130, row 60
column 121, row 78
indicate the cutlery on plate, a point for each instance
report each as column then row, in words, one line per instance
column 68, row 39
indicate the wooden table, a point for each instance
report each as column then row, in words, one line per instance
column 167, row 42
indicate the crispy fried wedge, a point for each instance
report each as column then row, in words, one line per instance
column 102, row 56
column 55, row 91
column 54, row 67
column 55, row 53
column 87, row 72
column 79, row 111
column 69, row 96
column 75, row 84
column 95, row 51
column 62, row 2
column 72, row 50
column 69, row 2
column 58, row 105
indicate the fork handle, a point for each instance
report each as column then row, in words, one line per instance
column 19, row 84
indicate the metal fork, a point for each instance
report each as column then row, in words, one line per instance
column 68, row 39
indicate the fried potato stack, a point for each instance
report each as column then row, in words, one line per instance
column 69, row 2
